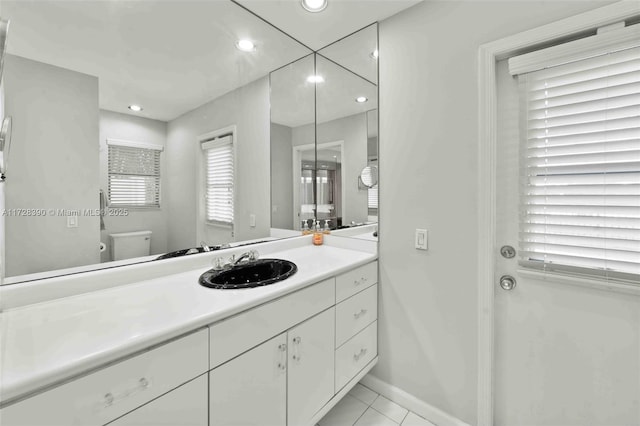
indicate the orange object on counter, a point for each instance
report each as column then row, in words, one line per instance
column 318, row 238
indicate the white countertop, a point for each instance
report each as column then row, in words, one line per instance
column 47, row 342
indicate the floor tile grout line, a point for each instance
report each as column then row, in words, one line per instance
column 405, row 415
column 354, row 423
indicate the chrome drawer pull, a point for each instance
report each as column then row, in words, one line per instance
column 111, row 399
column 359, row 314
column 359, row 355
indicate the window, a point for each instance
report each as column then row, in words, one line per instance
column 218, row 158
column 580, row 156
column 134, row 174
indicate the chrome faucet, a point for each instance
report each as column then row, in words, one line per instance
column 204, row 246
column 251, row 256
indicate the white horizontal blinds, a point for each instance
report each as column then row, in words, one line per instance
column 580, row 208
column 134, row 176
column 372, row 197
column 219, row 176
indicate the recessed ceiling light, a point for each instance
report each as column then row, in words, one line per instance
column 314, row 5
column 315, row 79
column 135, row 108
column 374, row 54
column 246, row 45
column 361, row 99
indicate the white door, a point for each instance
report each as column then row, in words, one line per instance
column 311, row 362
column 184, row 406
column 252, row 388
column 565, row 354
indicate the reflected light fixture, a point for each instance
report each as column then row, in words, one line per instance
column 374, row 54
column 135, row 108
column 246, row 45
column 314, row 5
column 315, row 79
column 361, row 99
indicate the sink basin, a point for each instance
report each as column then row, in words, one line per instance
column 186, row 252
column 251, row 274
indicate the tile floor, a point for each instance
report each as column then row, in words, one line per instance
column 363, row 407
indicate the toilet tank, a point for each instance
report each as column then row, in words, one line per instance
column 126, row 245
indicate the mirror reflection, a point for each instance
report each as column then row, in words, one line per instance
column 117, row 108
column 346, row 103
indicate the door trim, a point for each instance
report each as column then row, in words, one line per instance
column 488, row 55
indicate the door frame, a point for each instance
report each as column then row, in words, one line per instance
column 297, row 162
column 488, row 55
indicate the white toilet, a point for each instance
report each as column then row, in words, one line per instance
column 126, row 245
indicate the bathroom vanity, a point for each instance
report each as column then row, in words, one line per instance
column 170, row 351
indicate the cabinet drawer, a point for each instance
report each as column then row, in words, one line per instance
column 354, row 281
column 355, row 313
column 235, row 335
column 355, row 354
column 109, row 393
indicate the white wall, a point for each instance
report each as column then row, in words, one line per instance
column 55, row 145
column 428, row 172
column 248, row 109
column 281, row 177
column 115, row 125
column 353, row 131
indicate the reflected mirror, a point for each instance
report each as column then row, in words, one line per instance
column 119, row 108
column 369, row 176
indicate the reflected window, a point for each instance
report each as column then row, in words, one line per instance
column 219, row 176
column 134, row 174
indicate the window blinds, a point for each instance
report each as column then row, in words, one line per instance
column 580, row 166
column 134, row 175
column 219, row 176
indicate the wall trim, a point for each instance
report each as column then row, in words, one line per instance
column 488, row 55
column 410, row 402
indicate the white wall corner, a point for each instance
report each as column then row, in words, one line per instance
column 410, row 402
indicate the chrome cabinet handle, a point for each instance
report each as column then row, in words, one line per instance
column 360, row 354
column 359, row 314
column 282, row 364
column 111, row 398
column 296, row 350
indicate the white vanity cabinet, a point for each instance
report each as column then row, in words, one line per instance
column 184, row 406
column 115, row 390
column 284, row 362
column 284, row 380
column 251, row 390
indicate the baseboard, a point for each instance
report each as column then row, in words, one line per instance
column 410, row 402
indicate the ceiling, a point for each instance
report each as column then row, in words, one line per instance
column 171, row 56
column 339, row 19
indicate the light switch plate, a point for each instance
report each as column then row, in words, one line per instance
column 422, row 239
column 252, row 220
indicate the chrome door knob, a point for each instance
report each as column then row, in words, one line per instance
column 507, row 282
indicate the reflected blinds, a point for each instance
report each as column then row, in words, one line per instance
column 219, row 176
column 134, row 175
column 580, row 166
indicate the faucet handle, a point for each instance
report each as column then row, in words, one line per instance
column 254, row 255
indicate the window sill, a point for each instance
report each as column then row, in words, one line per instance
column 598, row 284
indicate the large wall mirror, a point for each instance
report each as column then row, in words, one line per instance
column 88, row 172
column 321, row 148
column 73, row 69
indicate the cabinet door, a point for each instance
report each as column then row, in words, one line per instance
column 184, row 406
column 252, row 388
column 311, row 367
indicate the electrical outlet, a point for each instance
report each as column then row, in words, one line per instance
column 422, row 239
column 72, row 221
